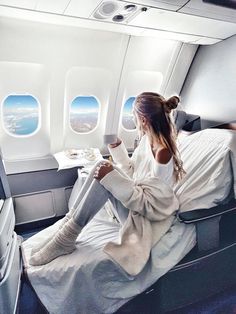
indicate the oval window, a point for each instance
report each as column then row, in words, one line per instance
column 84, row 112
column 127, row 115
column 20, row 114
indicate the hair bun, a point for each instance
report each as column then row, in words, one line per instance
column 171, row 103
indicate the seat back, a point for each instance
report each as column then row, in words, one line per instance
column 4, row 185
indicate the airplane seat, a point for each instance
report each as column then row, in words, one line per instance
column 10, row 261
column 198, row 276
column 186, row 122
column 209, row 268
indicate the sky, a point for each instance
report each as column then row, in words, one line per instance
column 84, row 104
column 89, row 104
column 128, row 105
column 22, row 102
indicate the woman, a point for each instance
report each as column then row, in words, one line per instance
column 138, row 187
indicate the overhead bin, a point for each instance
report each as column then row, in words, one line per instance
column 184, row 24
column 210, row 10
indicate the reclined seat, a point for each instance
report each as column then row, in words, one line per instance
column 94, row 276
column 202, row 273
column 210, row 267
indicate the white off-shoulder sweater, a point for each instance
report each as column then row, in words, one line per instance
column 145, row 189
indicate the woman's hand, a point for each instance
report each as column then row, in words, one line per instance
column 102, row 170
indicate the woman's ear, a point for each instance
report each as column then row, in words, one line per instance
column 144, row 121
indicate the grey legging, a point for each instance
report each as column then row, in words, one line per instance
column 92, row 197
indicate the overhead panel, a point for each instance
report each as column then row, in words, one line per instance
column 194, row 21
column 81, row 8
column 183, row 23
column 186, row 38
column 26, row 4
column 200, row 8
column 53, row 6
column 172, row 5
column 120, row 12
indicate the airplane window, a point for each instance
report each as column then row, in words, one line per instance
column 127, row 116
column 84, row 112
column 20, row 115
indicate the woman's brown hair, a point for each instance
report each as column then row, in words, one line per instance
column 156, row 109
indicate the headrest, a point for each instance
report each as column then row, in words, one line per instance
column 187, row 122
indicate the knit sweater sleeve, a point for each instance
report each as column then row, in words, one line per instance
column 121, row 158
column 150, row 197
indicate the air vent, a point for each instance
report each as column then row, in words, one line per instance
column 117, row 11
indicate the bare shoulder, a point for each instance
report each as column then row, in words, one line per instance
column 163, row 156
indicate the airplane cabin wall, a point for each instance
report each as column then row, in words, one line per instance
column 76, row 61
column 151, row 65
column 60, row 50
column 19, row 78
column 210, row 87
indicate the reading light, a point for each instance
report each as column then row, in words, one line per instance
column 130, row 7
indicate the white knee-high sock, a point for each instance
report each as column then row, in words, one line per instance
column 61, row 244
column 47, row 239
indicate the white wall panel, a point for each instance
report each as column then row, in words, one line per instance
column 54, row 6
column 81, row 8
column 59, row 49
column 34, row 207
column 27, row 4
column 90, row 61
column 180, row 70
column 26, row 79
column 209, row 90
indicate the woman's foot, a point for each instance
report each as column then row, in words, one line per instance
column 61, row 244
column 42, row 244
column 49, row 253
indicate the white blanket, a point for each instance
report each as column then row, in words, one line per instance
column 88, row 282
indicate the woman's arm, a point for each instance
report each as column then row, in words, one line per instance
column 151, row 198
column 120, row 156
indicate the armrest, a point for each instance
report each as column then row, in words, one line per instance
column 197, row 215
column 207, row 224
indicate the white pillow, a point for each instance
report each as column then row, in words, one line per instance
column 207, row 157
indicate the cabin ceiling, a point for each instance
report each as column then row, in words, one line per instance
column 194, row 21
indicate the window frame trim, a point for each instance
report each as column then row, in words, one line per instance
column 122, row 126
column 39, row 117
column 98, row 119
